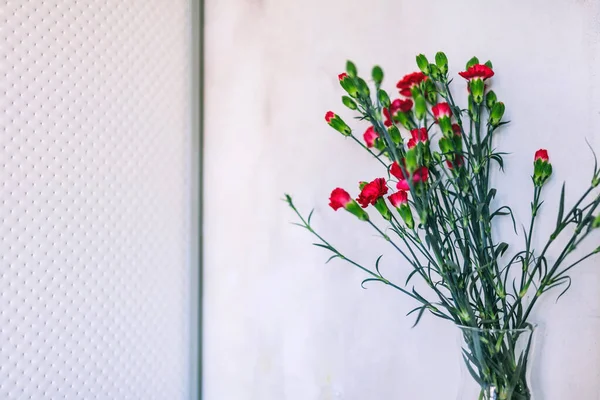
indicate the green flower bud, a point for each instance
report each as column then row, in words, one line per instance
column 477, row 87
column 383, row 209
column 496, row 113
column 437, row 156
column 349, row 86
column 596, row 223
column 377, row 75
column 395, row 134
column 406, row 215
column 442, row 62
column 363, row 88
column 351, row 69
column 446, row 145
column 384, row 99
column 420, row 107
column 348, row 102
column 337, row 123
column 423, row 64
column 353, row 208
column 490, row 99
column 404, row 120
column 472, row 62
column 434, row 71
column 411, row 160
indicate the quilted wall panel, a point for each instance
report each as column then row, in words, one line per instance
column 95, row 203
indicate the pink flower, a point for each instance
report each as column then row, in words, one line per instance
column 409, row 81
column 372, row 192
column 441, row 110
column 541, row 154
column 477, row 71
column 339, row 198
column 370, row 135
column 399, row 198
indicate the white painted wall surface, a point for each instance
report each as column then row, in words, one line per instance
column 96, row 269
column 279, row 324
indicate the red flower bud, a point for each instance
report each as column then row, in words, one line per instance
column 339, row 198
column 342, row 76
column 409, row 81
column 477, row 71
column 329, row 116
column 372, row 192
column 399, row 198
column 441, row 110
column 541, row 154
column 542, row 169
column 370, row 135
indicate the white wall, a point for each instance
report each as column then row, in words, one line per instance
column 281, row 325
column 96, row 200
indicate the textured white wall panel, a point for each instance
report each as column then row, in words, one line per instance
column 95, row 199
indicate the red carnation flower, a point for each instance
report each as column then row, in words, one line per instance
column 342, row 76
column 370, row 135
column 409, row 81
column 419, row 135
column 477, row 71
column 372, row 192
column 396, row 171
column 541, row 154
column 456, row 129
column 399, row 198
column 329, row 116
column 397, row 106
column 420, row 175
column 441, row 110
column 339, row 198
column 403, row 105
column 458, row 161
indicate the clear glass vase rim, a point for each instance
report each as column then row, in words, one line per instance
column 530, row 328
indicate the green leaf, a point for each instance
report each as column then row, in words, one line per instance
column 310, row 215
column 500, row 249
column 331, row 258
column 421, row 312
column 377, row 264
column 561, row 206
column 362, row 284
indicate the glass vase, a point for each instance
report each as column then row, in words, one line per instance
column 496, row 363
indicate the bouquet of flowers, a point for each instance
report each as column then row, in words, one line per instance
column 437, row 203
